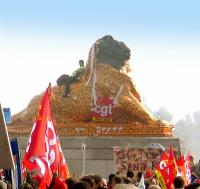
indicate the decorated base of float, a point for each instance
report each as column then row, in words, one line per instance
column 100, row 129
column 100, row 106
column 105, row 155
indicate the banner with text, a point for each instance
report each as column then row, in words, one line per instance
column 137, row 159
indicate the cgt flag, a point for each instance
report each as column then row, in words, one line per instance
column 187, row 169
column 184, row 168
column 173, row 168
column 162, row 170
column 43, row 153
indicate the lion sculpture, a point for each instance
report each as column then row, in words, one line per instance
column 105, row 76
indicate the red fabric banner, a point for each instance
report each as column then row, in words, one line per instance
column 162, row 170
column 102, row 111
column 184, row 168
column 43, row 152
column 168, row 168
column 173, row 169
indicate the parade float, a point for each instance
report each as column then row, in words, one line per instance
column 99, row 99
column 97, row 112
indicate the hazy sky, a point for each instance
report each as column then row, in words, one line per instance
column 40, row 40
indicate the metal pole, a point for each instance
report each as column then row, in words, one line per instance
column 83, row 154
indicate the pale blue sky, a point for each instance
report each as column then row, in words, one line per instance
column 156, row 17
column 40, row 40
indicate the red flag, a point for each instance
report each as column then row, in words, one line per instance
column 187, row 170
column 162, row 170
column 180, row 165
column 173, row 169
column 184, row 168
column 43, row 152
column 63, row 168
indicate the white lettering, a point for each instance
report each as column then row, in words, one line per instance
column 103, row 110
column 39, row 163
column 52, row 142
column 52, row 155
column 163, row 165
column 50, row 126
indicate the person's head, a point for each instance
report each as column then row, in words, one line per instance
column 126, row 180
column 191, row 158
column 147, row 183
column 117, row 180
column 89, row 179
column 139, row 176
column 154, row 186
column 2, row 177
column 82, row 185
column 130, row 174
column 36, row 180
column 154, row 180
column 179, row 182
column 81, row 63
column 97, row 180
column 111, row 178
column 3, row 185
column 70, row 183
column 193, row 186
column 104, row 183
column 193, row 177
column 29, row 177
column 27, row 186
column 125, row 186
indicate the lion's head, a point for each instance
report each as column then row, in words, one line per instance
column 111, row 51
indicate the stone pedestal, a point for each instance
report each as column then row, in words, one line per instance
column 99, row 158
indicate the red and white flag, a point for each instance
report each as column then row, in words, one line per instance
column 173, row 168
column 184, row 168
column 187, row 170
column 43, row 152
column 162, row 170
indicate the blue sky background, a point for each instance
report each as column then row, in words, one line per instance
column 40, row 40
column 157, row 18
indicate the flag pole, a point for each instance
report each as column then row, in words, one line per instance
column 83, row 163
column 49, row 89
column 50, row 94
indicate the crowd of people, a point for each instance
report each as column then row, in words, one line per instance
column 114, row 181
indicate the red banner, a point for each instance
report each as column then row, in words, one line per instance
column 102, row 111
column 43, row 152
column 162, row 170
column 184, row 168
column 173, row 168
